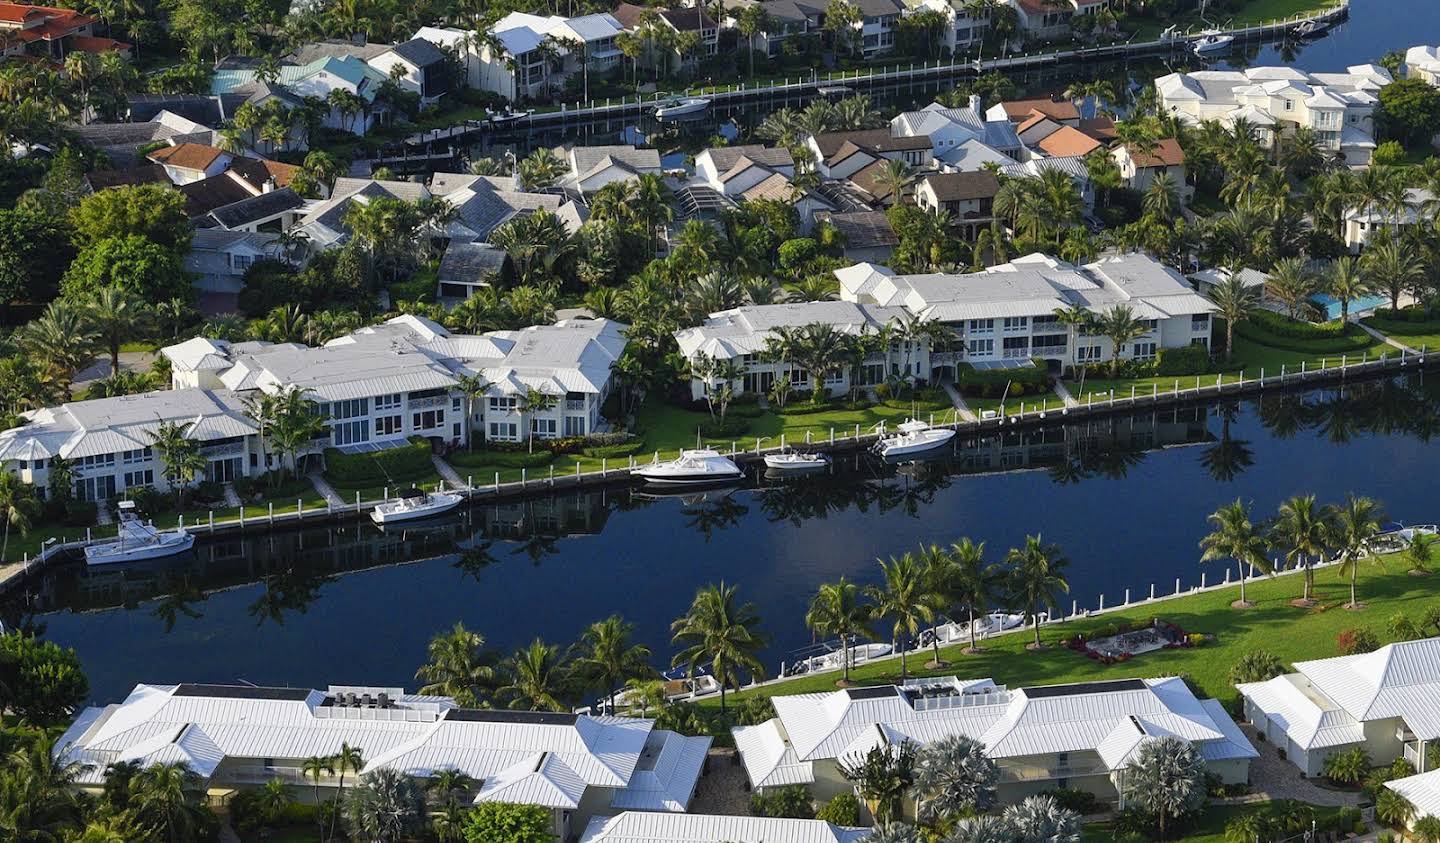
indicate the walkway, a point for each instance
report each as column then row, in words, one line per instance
column 448, row 472
column 1390, row 340
column 959, row 401
column 325, row 489
column 102, row 514
column 1065, row 395
column 1277, row 778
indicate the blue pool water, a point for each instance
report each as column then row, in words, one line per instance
column 1332, row 305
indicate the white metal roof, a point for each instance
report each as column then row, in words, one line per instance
column 744, row 330
column 124, row 423
column 1422, row 791
column 665, row 778
column 1307, row 716
column 644, row 827
column 1398, row 680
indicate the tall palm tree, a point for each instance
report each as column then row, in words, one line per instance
column 719, row 630
column 819, row 349
column 836, row 610
column 316, row 768
column 975, row 583
column 1036, row 579
column 532, row 403
column 1392, row 266
column 1236, row 300
column 349, row 759
column 1119, row 325
column 896, row 177
column 954, row 778
column 1166, row 779
column 179, row 454
column 166, row 799
column 535, row 678
column 1236, row 537
column 1346, row 282
column 1291, row 283
column 63, row 338
column 1077, row 318
column 1303, row 533
column 18, row 509
column 458, row 666
column 608, row 656
column 1356, row 524
column 905, row 599
column 118, row 316
column 473, row 387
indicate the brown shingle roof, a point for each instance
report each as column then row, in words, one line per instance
column 143, row 174
column 869, row 140
column 188, row 156
column 1100, row 128
column 862, row 229
column 629, row 15
column 868, row 178
column 258, row 170
column 958, row 187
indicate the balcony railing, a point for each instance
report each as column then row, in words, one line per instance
column 426, row 403
column 222, row 450
column 574, row 405
column 1016, row 329
column 1017, row 353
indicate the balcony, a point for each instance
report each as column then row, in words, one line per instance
column 224, row 450
column 940, row 358
column 1017, row 353
column 1042, row 772
column 574, row 405
column 427, row 403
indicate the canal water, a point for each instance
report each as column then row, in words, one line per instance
column 1126, row 498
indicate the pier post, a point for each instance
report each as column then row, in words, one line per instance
column 299, row 509
column 1302, row 367
column 212, row 520
column 1177, row 585
column 1282, row 372
column 552, row 475
column 1102, row 602
column 271, row 507
column 1227, row 575
column 1127, row 597
column 1074, row 608
column 497, row 481
column 1152, row 591
column 832, row 436
column 385, row 493
column 1202, row 579
column 603, row 463
column 357, row 500
column 87, row 535
column 523, row 473
column 857, row 430
column 242, row 516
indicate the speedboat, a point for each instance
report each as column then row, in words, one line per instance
column 834, row 659
column 138, row 540
column 676, row 685
column 1312, row 28
column 912, row 437
column 794, row 462
column 1396, row 536
column 506, row 117
column 1212, row 41
column 957, row 632
column 681, row 107
column 701, row 465
column 413, row 505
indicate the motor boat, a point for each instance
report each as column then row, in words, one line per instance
column 1311, row 28
column 506, row 117
column 681, row 107
column 834, row 659
column 414, row 504
column 138, row 540
column 794, row 462
column 1396, row 537
column 1212, row 41
column 958, row 632
column 693, row 467
column 912, row 437
column 676, row 685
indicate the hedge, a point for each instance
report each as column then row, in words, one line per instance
column 730, row 428
column 628, row 449
column 991, row 383
column 407, row 462
column 1407, row 322
column 1187, row 360
column 804, row 408
column 1283, row 326
column 1335, row 344
column 488, row 457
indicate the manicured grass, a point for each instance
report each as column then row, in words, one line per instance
column 377, row 491
column 1291, row 633
column 1264, row 11
column 40, row 532
column 1210, row 828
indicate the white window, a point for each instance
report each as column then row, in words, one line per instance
column 387, row 402
column 346, row 433
column 1199, row 321
column 427, row 419
column 139, row 478
column 350, row 409
column 980, row 326
column 1144, row 351
column 835, row 379
column 388, row 425
column 502, row 430
column 137, row 455
column 1086, row 353
column 505, row 404
column 543, row 427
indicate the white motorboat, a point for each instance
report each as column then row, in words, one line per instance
column 675, row 686
column 794, row 462
column 701, row 465
column 681, row 107
column 414, row 504
column 835, row 659
column 912, row 437
column 138, row 540
column 1397, row 537
column 506, row 117
column 1212, row 41
column 958, row 632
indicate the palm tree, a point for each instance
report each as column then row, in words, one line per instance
column 18, row 509
column 1345, row 282
column 1236, row 537
column 386, row 807
column 882, row 777
column 836, row 610
column 954, row 778
column 1392, row 266
column 180, row 455
column 316, row 768
column 118, row 317
column 473, row 387
column 752, row 23
column 974, row 583
column 608, row 657
column 1119, row 325
column 1235, row 299
column 906, row 600
column 531, row 403
column 1077, row 318
column 818, row 349
column 1162, row 197
column 1356, row 524
column 1166, row 779
column 165, row 798
column 535, row 678
column 348, row 759
column 1291, row 284
column 1036, row 579
column 63, row 338
column 1040, row 819
column 896, row 177
column 1303, row 532
column 718, row 631
column 458, row 666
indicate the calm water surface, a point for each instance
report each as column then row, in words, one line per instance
column 1126, row 498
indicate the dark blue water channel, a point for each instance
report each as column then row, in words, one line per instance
column 1125, row 497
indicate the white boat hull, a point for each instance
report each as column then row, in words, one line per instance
column 398, row 511
column 110, row 553
column 928, row 441
column 794, row 464
column 691, row 468
column 1213, row 45
column 684, row 109
column 664, row 479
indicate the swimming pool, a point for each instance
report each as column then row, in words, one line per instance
column 1332, row 304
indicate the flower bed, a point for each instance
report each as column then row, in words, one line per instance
column 1120, row 643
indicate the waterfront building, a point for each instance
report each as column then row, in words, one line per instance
column 733, row 170
column 1081, row 736
column 1140, row 167
column 318, row 78
column 788, row 19
column 515, row 65
column 1387, row 702
column 1423, row 63
column 1422, row 791
column 841, row 154
column 637, row 827
column 1062, row 111
column 968, row 197
column 45, row 32
column 1007, row 312
column 1362, row 224
column 1339, row 107
column 593, row 167
column 959, row 135
column 237, row 737
column 379, row 386
column 1047, row 19
column 633, row 18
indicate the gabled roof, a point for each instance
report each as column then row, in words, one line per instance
column 952, row 187
column 256, row 208
column 207, row 194
column 726, row 157
column 1422, row 791
column 1166, row 154
column 188, row 156
column 1068, row 142
column 1398, row 680
column 744, row 330
column 419, row 52
column 645, row 827
column 1019, row 110
column 876, row 141
column 144, row 174
column 470, row 263
column 862, row 229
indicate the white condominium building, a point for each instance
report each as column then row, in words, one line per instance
column 1339, row 107
column 245, row 736
column 380, row 385
column 1423, row 63
column 1080, row 736
column 1008, row 311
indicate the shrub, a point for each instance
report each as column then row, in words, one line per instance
column 612, row 451
column 418, row 287
column 933, row 398
column 791, row 802
column 505, row 822
column 1357, row 640
column 728, row 429
column 1195, row 639
column 1348, row 767
column 1082, row 802
column 491, row 457
column 395, row 465
column 1256, row 666
column 843, row 810
column 1389, row 153
column 805, row 408
column 1189, row 360
column 988, row 383
column 79, row 513
column 149, row 501
column 1279, row 331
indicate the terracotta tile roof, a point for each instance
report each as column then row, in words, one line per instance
column 1167, row 154
column 1100, row 128
column 91, row 44
column 1067, row 142
column 1035, row 119
column 188, row 156
column 1018, row 110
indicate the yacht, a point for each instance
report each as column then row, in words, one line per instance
column 681, row 107
column 958, row 632
column 138, row 540
column 415, row 504
column 1212, row 41
column 675, row 685
column 1396, row 536
column 912, row 437
column 794, row 462
column 694, row 467
column 506, row 117
column 834, row 659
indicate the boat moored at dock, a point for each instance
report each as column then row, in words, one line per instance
column 414, row 504
column 138, row 540
column 692, row 467
column 912, row 437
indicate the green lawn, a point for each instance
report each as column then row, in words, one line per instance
column 377, row 491
column 1292, row 634
column 1263, row 11
column 1210, row 828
